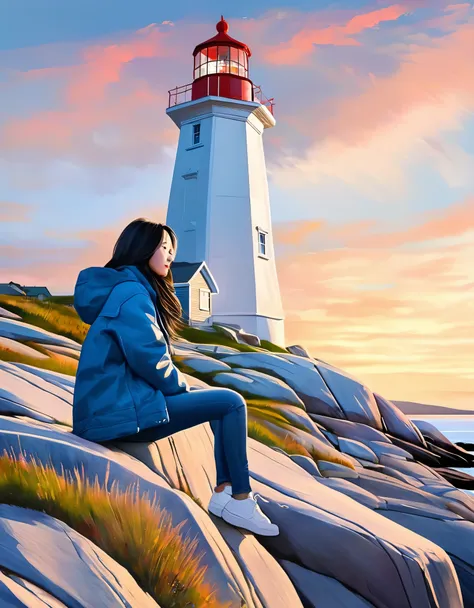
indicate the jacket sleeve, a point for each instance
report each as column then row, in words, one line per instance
column 144, row 346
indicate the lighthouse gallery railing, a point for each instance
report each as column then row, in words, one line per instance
column 183, row 93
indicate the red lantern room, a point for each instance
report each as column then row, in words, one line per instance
column 221, row 69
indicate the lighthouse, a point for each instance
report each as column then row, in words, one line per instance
column 219, row 204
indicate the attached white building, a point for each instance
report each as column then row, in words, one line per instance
column 219, row 204
column 194, row 286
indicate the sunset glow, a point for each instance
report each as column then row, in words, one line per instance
column 370, row 166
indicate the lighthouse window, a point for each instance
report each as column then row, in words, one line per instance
column 234, row 61
column 221, row 60
column 243, row 65
column 262, row 243
column 196, row 133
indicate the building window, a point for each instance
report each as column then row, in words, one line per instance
column 196, row 133
column 204, row 299
column 262, row 242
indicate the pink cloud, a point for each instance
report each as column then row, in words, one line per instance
column 377, row 309
column 454, row 14
column 426, row 77
column 296, row 232
column 59, row 272
column 297, row 49
column 455, row 220
column 15, row 212
column 99, row 124
column 103, row 65
column 370, row 139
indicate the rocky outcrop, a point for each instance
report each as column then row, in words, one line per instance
column 64, row 566
column 380, row 528
column 398, row 423
column 306, row 382
column 258, row 384
column 7, row 314
column 225, row 571
column 17, row 330
column 23, row 391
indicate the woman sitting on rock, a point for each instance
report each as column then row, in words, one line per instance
column 127, row 386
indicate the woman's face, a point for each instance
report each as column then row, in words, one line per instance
column 164, row 255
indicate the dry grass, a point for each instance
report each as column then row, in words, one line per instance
column 54, row 317
column 261, row 433
column 133, row 530
column 56, row 362
column 289, row 443
column 267, row 414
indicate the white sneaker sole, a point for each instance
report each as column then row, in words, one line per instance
column 215, row 510
column 214, row 507
column 241, row 522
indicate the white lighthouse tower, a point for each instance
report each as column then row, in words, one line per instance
column 219, row 204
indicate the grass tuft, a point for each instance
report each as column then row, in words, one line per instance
column 56, row 362
column 51, row 316
column 261, row 433
column 133, row 530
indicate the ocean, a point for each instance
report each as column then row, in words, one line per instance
column 455, row 428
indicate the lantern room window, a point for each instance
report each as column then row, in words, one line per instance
column 196, row 133
column 220, row 60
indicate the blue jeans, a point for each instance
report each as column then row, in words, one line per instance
column 226, row 411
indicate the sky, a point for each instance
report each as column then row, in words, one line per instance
column 370, row 165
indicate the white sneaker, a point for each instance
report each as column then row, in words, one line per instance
column 219, row 500
column 247, row 514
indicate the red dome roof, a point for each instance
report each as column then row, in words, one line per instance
column 222, row 38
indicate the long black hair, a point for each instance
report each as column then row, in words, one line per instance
column 134, row 247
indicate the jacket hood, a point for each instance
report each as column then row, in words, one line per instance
column 94, row 284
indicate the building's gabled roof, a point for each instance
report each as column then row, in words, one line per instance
column 183, row 272
column 10, row 289
column 36, row 291
column 13, row 288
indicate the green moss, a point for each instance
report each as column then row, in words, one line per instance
column 199, row 336
column 61, row 299
column 272, row 347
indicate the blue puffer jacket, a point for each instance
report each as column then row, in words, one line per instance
column 125, row 368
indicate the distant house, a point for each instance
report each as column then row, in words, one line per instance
column 194, row 286
column 15, row 289
column 11, row 289
column 37, row 292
